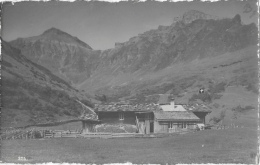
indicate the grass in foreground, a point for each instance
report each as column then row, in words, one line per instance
column 236, row 145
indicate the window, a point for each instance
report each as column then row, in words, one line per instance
column 170, row 125
column 121, row 116
column 184, row 125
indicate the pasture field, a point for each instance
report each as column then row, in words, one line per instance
column 233, row 145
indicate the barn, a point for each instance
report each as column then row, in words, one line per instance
column 82, row 125
column 123, row 114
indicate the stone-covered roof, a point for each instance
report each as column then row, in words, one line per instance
column 150, row 107
column 171, row 107
column 126, row 107
column 175, row 116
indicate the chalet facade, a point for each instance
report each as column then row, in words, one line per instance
column 153, row 118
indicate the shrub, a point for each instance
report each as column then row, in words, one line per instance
column 215, row 120
column 102, row 98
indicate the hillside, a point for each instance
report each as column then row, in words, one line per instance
column 32, row 94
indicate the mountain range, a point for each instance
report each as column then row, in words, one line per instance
column 196, row 51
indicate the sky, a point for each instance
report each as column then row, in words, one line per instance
column 101, row 24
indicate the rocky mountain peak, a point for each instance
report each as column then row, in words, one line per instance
column 53, row 31
column 57, row 34
column 193, row 15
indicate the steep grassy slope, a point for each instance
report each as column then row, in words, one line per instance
column 235, row 68
column 32, row 94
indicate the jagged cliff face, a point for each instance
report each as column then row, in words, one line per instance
column 193, row 37
column 157, row 49
column 189, row 39
column 193, row 15
column 64, row 55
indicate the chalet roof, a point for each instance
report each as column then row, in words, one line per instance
column 150, row 107
column 196, row 108
column 170, row 107
column 126, row 107
column 175, row 115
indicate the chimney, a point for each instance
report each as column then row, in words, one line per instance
column 172, row 102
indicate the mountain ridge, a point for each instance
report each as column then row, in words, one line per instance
column 157, row 49
column 195, row 37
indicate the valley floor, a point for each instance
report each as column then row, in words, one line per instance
column 234, row 145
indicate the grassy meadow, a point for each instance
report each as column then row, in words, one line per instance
column 233, row 145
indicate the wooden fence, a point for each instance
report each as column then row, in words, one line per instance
column 60, row 133
column 35, row 134
column 19, row 134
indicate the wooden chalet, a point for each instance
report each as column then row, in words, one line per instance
column 165, row 117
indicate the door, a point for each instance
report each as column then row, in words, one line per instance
column 151, row 127
column 147, row 126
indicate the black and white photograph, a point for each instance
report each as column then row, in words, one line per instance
column 141, row 82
